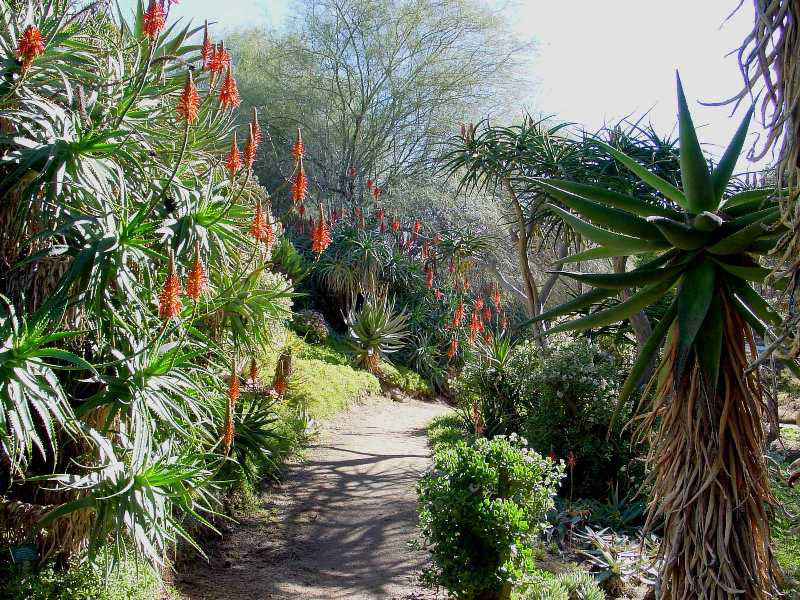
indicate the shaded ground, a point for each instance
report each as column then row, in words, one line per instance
column 339, row 525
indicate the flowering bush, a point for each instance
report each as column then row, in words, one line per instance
column 566, row 397
column 311, row 324
column 480, row 510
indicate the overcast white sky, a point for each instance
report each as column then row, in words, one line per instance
column 595, row 60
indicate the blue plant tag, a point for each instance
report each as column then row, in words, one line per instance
column 24, row 553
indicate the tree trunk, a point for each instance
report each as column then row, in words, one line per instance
column 529, row 284
column 561, row 252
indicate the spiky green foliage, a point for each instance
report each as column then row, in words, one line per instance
column 376, row 330
column 101, row 182
column 708, row 449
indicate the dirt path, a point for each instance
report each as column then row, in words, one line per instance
column 340, row 524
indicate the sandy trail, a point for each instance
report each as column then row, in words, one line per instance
column 339, row 525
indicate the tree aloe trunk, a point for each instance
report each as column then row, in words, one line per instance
column 529, row 284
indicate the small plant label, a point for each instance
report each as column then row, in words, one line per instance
column 23, row 553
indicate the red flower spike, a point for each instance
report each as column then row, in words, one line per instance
column 369, row 184
column 376, row 191
column 189, row 102
column 415, row 231
column 425, row 250
column 234, row 160
column 452, row 349
column 30, row 45
column 438, row 294
column 279, row 385
column 300, row 186
column 169, row 300
column 250, row 149
column 572, row 461
column 474, row 326
column 228, row 92
column 207, row 49
column 496, row 296
column 197, row 282
column 320, row 235
column 380, row 215
column 487, row 313
column 153, row 20
column 429, row 276
column 298, row 149
column 396, row 225
column 478, row 303
column 257, row 136
column 504, row 324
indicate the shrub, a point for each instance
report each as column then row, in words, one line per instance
column 131, row 581
column 406, row 379
column 311, row 324
column 480, row 511
column 566, row 399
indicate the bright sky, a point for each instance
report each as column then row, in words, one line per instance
column 595, row 61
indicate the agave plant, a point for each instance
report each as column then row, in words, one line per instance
column 375, row 330
column 707, row 407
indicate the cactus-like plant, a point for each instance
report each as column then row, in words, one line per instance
column 707, row 405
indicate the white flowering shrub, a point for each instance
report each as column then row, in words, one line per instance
column 566, row 397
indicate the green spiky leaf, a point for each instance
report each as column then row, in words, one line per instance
column 694, row 299
column 697, row 186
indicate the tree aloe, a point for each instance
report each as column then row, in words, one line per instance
column 710, row 484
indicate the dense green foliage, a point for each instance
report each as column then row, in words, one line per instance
column 480, row 510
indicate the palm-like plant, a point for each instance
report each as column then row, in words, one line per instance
column 710, row 481
column 375, row 330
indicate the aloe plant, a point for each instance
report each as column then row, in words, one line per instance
column 375, row 331
column 707, row 406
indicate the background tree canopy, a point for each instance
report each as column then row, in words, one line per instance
column 375, row 85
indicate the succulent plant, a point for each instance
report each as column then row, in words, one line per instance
column 375, row 331
column 707, row 404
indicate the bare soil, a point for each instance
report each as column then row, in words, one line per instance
column 339, row 525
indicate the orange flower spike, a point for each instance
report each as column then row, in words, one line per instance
column 189, row 102
column 459, row 315
column 169, row 300
column 207, row 49
column 257, row 135
column 415, row 231
column 496, row 296
column 452, row 349
column 253, row 369
column 228, row 92
column 153, row 20
column 197, row 283
column 30, row 45
column 258, row 225
column 234, row 160
column 478, row 303
column 320, row 235
column 474, row 326
column 298, row 149
column 250, row 149
column 300, row 185
column 396, row 225
column 487, row 313
column 233, row 386
column 227, row 435
column 429, row 277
